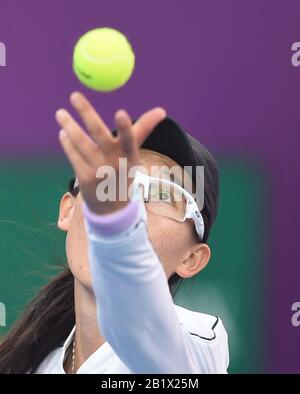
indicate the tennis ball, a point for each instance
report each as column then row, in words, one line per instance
column 103, row 59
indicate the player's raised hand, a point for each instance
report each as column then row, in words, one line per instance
column 89, row 149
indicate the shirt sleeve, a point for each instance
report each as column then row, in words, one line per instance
column 135, row 309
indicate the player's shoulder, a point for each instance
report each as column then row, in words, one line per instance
column 201, row 325
column 207, row 335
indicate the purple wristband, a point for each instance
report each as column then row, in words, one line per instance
column 113, row 223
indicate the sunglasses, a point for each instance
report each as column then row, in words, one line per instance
column 165, row 198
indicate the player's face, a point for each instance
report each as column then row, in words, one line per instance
column 173, row 241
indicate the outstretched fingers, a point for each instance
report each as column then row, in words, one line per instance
column 91, row 119
column 80, row 140
column 125, row 135
column 80, row 166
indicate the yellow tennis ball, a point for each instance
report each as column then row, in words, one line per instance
column 103, row 59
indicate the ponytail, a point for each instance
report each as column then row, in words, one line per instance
column 44, row 326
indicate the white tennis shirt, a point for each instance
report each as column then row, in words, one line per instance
column 145, row 331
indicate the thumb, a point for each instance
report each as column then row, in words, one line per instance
column 146, row 124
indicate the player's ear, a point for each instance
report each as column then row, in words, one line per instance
column 195, row 263
column 66, row 209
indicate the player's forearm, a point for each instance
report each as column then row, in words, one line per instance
column 135, row 308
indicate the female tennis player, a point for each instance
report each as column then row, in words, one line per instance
column 112, row 309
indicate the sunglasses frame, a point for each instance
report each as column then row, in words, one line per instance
column 192, row 210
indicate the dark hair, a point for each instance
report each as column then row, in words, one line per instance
column 46, row 322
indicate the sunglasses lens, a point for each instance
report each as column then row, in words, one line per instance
column 166, row 200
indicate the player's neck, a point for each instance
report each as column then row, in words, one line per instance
column 87, row 335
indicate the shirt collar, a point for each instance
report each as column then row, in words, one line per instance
column 97, row 361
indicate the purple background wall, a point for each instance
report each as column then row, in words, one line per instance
column 222, row 68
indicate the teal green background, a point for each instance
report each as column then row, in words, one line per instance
column 232, row 285
column 32, row 249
